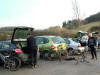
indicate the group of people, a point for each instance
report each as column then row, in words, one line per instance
column 91, row 42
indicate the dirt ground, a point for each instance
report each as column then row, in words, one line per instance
column 59, row 68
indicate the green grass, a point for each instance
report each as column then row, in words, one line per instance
column 86, row 27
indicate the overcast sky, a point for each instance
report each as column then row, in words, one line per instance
column 42, row 14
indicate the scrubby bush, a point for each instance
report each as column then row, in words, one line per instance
column 56, row 31
column 5, row 37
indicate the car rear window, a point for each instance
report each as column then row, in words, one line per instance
column 20, row 34
column 58, row 40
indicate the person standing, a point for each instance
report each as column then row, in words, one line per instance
column 91, row 45
column 84, row 40
column 32, row 49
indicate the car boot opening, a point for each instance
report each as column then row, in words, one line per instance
column 22, row 46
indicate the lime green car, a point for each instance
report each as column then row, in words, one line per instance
column 50, row 44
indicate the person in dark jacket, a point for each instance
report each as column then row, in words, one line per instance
column 32, row 49
column 91, row 45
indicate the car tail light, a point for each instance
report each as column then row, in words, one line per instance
column 79, row 45
column 18, row 51
column 52, row 47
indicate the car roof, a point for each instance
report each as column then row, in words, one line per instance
column 47, row 36
column 68, row 38
column 6, row 41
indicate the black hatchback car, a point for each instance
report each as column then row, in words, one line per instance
column 19, row 38
column 18, row 44
column 6, row 47
column 9, row 55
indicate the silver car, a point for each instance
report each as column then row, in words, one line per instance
column 73, row 45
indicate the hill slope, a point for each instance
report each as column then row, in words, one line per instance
column 86, row 27
column 93, row 18
column 6, row 30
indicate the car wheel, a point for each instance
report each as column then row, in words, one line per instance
column 48, row 56
column 13, row 63
column 45, row 55
column 70, row 51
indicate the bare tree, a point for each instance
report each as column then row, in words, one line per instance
column 76, row 11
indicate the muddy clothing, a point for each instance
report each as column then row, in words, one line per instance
column 91, row 45
column 32, row 49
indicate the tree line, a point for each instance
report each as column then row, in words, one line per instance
column 71, row 24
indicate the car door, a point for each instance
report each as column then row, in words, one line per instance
column 40, row 43
column 43, row 43
column 46, row 44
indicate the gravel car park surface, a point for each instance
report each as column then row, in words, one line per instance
column 59, row 68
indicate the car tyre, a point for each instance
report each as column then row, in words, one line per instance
column 13, row 64
column 70, row 51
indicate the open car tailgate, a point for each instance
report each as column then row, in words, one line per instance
column 20, row 33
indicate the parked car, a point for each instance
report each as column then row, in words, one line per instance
column 20, row 40
column 9, row 55
column 49, row 44
column 73, row 45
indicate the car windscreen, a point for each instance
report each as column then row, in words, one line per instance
column 76, row 41
column 67, row 41
column 58, row 40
